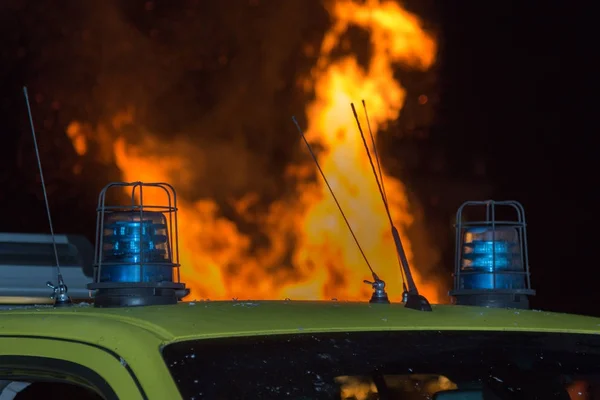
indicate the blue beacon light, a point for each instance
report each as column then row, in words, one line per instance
column 492, row 266
column 133, row 238
column 136, row 255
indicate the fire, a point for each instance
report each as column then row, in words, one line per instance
column 310, row 253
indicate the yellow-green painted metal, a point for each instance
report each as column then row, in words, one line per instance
column 164, row 324
column 107, row 366
column 135, row 346
column 136, row 334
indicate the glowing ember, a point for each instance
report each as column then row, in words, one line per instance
column 310, row 254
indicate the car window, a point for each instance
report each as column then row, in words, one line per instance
column 48, row 390
column 39, row 360
column 389, row 365
column 26, row 377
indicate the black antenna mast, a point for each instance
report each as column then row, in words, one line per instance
column 60, row 291
column 379, row 294
column 383, row 192
column 414, row 300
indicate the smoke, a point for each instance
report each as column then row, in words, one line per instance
column 203, row 90
column 224, row 76
column 93, row 60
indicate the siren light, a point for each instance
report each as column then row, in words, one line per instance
column 492, row 263
column 137, row 252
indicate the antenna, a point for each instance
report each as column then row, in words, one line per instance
column 375, row 151
column 413, row 299
column 379, row 294
column 382, row 191
column 60, row 291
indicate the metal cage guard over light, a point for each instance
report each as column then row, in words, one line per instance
column 136, row 258
column 492, row 264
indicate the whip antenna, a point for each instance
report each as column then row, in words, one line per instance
column 379, row 294
column 382, row 188
column 60, row 296
column 413, row 299
column 375, row 151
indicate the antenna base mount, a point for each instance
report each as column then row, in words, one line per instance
column 417, row 302
column 60, row 293
column 379, row 295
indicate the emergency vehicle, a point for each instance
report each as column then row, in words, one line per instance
column 113, row 323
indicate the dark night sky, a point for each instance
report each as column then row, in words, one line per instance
column 511, row 78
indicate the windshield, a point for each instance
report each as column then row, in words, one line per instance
column 389, row 365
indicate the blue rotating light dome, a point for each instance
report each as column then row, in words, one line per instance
column 492, row 267
column 136, row 248
column 136, row 255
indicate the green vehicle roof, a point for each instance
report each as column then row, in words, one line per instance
column 212, row 319
column 136, row 334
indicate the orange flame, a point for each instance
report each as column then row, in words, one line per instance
column 311, row 253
